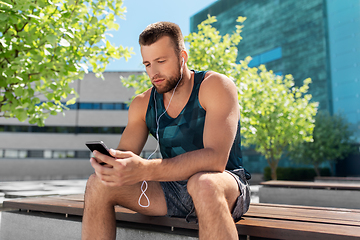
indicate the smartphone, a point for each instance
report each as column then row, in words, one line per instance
column 98, row 146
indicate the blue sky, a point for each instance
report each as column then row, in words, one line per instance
column 141, row 13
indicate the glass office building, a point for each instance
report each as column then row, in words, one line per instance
column 319, row 39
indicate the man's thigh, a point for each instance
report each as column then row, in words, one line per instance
column 149, row 195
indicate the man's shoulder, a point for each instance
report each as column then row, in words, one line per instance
column 142, row 97
column 216, row 87
column 214, row 80
column 140, row 102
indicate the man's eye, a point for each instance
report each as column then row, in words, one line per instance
column 161, row 61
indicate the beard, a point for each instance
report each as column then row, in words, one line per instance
column 170, row 82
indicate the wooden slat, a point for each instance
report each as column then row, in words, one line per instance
column 47, row 204
column 343, row 179
column 262, row 220
column 280, row 229
column 315, row 185
column 64, row 205
column 275, row 205
column 319, row 215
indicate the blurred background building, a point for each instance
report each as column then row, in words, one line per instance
column 58, row 151
column 319, row 39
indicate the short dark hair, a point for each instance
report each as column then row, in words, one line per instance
column 155, row 31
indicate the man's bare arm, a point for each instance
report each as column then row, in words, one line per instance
column 136, row 132
column 218, row 96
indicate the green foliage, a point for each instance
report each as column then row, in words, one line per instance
column 47, row 44
column 295, row 174
column 275, row 114
column 209, row 50
column 332, row 141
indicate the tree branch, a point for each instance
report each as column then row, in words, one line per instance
column 22, row 29
column 6, row 30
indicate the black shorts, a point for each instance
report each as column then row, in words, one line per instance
column 180, row 204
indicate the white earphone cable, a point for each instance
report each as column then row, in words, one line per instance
column 144, row 183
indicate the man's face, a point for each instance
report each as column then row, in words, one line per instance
column 162, row 64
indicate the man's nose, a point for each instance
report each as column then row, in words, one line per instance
column 153, row 72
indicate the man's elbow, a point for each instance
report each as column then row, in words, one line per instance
column 220, row 161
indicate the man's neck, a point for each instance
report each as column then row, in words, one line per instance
column 184, row 88
column 181, row 95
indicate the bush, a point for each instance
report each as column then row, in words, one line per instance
column 295, row 174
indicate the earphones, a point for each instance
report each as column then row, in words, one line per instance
column 144, row 184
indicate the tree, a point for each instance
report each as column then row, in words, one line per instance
column 274, row 113
column 47, row 44
column 332, row 141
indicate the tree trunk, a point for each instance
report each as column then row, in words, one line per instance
column 273, row 166
column 273, row 172
column 316, row 168
column 273, row 163
column 332, row 168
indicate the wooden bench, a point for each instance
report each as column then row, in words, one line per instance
column 338, row 179
column 262, row 221
column 321, row 194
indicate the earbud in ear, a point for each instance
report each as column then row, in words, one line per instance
column 183, row 61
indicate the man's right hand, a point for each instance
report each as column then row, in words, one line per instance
column 126, row 168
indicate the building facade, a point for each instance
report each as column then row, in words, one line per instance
column 58, row 151
column 319, row 39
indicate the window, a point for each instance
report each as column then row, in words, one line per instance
column 47, row 154
column 86, row 106
column 83, row 154
column 271, row 55
column 119, row 106
column 58, row 154
column 96, row 106
column 108, row 106
column 9, row 153
column 266, row 57
column 255, row 61
column 22, row 153
column 70, row 154
column 63, row 129
column 36, row 154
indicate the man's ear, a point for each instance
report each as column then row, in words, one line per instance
column 184, row 55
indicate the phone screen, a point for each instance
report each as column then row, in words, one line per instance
column 98, row 146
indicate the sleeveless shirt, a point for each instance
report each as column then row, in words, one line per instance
column 185, row 132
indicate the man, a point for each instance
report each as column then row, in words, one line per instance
column 195, row 117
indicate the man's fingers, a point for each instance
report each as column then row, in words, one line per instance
column 119, row 154
column 99, row 168
column 103, row 158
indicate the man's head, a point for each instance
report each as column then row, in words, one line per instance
column 164, row 55
column 155, row 31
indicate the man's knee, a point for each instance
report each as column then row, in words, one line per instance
column 92, row 181
column 94, row 187
column 203, row 186
column 91, row 184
